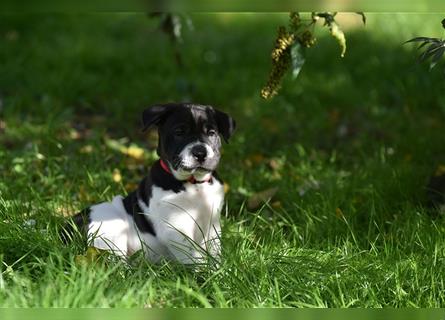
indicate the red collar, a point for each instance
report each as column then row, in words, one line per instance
column 191, row 179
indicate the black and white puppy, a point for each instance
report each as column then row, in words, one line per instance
column 175, row 212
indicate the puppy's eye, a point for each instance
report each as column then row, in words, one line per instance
column 211, row 132
column 179, row 132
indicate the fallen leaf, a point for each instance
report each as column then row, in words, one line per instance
column 226, row 187
column 2, row 126
column 12, row 35
column 86, row 149
column 74, row 134
column 257, row 158
column 131, row 186
column 132, row 151
column 135, row 152
column 440, row 170
column 270, row 125
column 275, row 164
column 92, row 255
column 117, row 177
column 334, row 116
column 84, row 195
column 339, row 213
column 276, row 204
column 254, row 159
column 64, row 211
column 257, row 199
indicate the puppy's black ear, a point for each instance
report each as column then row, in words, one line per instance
column 226, row 124
column 152, row 116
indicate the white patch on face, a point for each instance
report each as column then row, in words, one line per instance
column 189, row 161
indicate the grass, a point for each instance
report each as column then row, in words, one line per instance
column 350, row 144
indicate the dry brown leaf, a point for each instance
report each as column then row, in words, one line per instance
column 339, row 213
column 276, row 205
column 259, row 198
column 131, row 186
column 270, row 125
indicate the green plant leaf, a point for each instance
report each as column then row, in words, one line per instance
column 298, row 59
column 437, row 55
column 432, row 49
column 427, row 39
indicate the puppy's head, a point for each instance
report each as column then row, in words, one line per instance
column 189, row 137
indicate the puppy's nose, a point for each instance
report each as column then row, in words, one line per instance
column 199, row 152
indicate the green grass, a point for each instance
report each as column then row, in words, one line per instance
column 355, row 139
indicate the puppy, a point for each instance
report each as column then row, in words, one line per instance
column 175, row 212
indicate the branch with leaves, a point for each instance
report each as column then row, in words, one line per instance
column 288, row 53
column 435, row 49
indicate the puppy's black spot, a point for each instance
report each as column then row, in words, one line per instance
column 144, row 190
column 436, row 191
column 165, row 180
column 132, row 208
column 216, row 176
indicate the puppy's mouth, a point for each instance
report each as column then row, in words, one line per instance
column 195, row 169
column 192, row 166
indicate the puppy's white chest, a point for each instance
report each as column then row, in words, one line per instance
column 198, row 205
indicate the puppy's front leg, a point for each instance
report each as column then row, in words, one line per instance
column 183, row 248
column 213, row 242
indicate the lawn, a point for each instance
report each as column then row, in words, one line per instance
column 350, row 145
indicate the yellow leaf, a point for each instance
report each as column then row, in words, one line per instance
column 135, row 152
column 80, row 260
column 74, row 134
column 91, row 256
column 339, row 213
column 440, row 170
column 226, row 187
column 86, row 149
column 117, row 177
